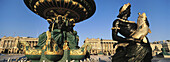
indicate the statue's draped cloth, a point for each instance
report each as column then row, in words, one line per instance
column 59, row 37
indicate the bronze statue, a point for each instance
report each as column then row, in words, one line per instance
column 138, row 48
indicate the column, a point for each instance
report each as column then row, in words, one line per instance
column 29, row 43
column 16, row 42
column 13, row 44
column 95, row 45
column 2, row 43
column 16, row 50
column 35, row 43
column 32, row 44
column 106, row 46
column 6, row 44
column 103, row 46
column 10, row 43
column 112, row 46
column 109, row 46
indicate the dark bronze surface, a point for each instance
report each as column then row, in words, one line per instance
column 135, row 51
column 80, row 11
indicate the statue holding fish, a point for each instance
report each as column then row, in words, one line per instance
column 137, row 47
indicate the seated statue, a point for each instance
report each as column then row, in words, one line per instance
column 138, row 48
column 61, row 30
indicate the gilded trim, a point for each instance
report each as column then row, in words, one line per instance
column 65, row 46
column 78, row 51
column 33, row 52
column 127, row 21
column 59, row 52
column 115, row 28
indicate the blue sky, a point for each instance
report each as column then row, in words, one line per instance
column 17, row 20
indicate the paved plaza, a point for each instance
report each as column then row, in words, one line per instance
column 94, row 58
column 11, row 56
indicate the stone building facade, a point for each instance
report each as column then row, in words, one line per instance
column 9, row 44
column 106, row 46
column 156, row 48
column 157, row 45
column 166, row 45
column 101, row 46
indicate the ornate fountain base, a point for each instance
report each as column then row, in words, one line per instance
column 43, row 58
column 66, row 56
column 69, row 54
column 34, row 58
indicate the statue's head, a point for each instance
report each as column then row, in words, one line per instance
column 124, row 10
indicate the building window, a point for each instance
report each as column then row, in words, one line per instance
column 11, row 44
column 4, row 43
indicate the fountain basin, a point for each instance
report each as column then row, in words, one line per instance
column 33, row 57
column 77, row 57
column 54, row 57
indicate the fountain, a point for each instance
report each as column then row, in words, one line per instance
column 60, row 43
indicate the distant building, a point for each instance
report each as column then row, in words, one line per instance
column 156, row 48
column 166, row 45
column 9, row 44
column 106, row 46
column 158, row 45
column 101, row 46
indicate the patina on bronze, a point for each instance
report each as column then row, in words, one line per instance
column 62, row 16
column 138, row 48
